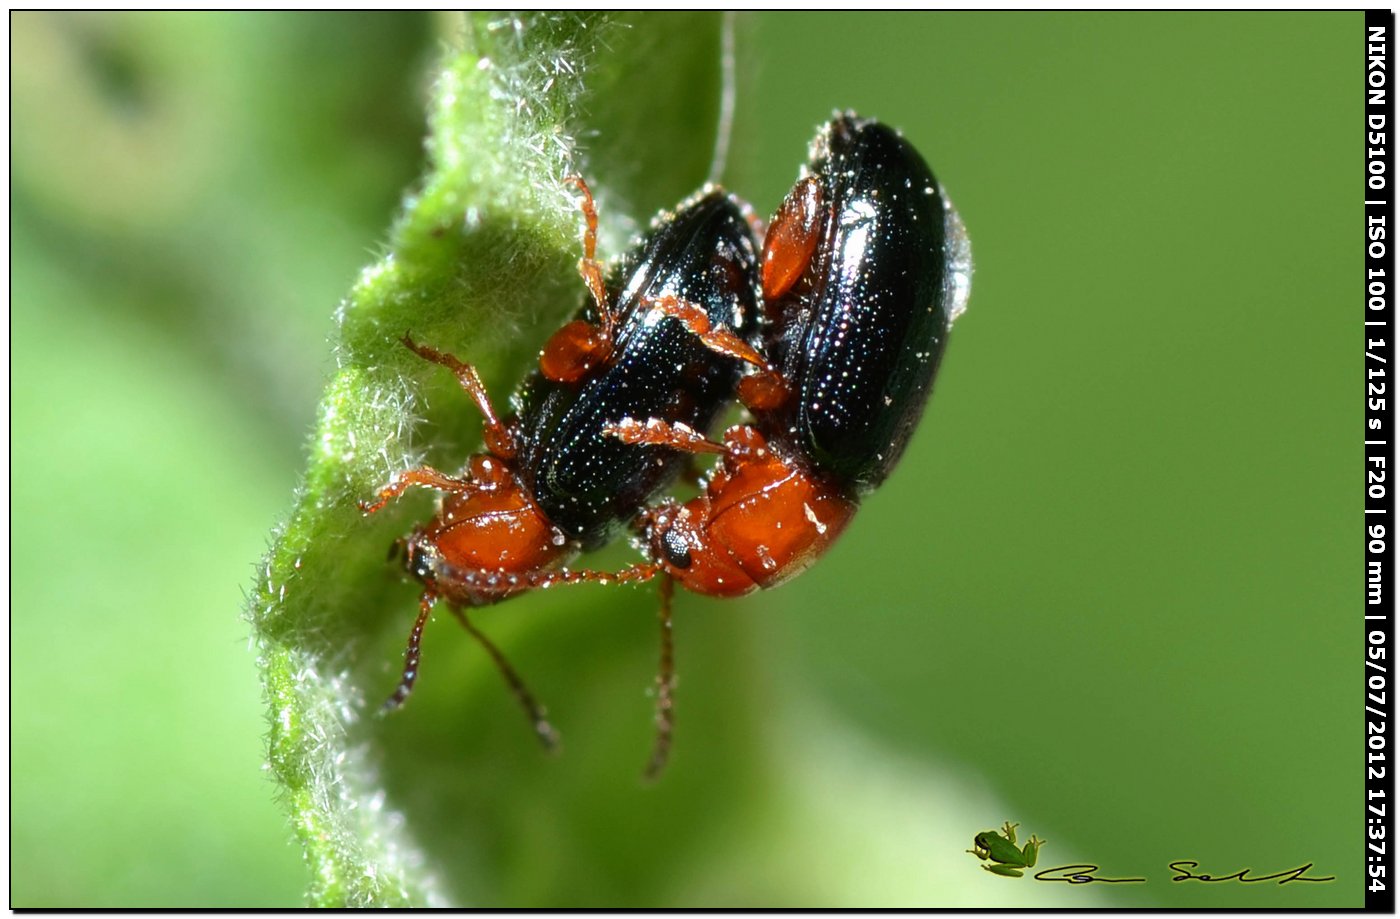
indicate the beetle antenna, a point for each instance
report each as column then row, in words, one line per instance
column 412, row 654
column 533, row 710
column 665, row 686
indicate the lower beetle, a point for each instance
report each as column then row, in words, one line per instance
column 550, row 483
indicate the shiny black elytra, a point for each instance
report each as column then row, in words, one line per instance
column 551, row 482
column 865, row 266
column 588, row 484
column 859, row 335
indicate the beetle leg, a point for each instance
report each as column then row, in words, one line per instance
column 655, row 431
column 413, row 653
column 497, row 435
column 589, row 266
column 426, row 476
column 762, row 390
column 665, row 686
column 742, row 442
column 579, row 346
column 508, row 583
column 533, row 710
column 791, row 240
column 719, row 339
column 632, row 574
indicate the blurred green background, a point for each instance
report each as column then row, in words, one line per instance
column 1110, row 592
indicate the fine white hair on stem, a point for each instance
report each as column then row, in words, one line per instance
column 727, row 93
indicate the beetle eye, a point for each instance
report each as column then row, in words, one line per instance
column 676, row 551
column 417, row 561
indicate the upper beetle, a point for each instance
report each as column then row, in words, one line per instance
column 865, row 266
column 550, row 482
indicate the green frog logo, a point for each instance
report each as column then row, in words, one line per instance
column 1000, row 850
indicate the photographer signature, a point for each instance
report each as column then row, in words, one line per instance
column 1001, row 855
column 1084, row 874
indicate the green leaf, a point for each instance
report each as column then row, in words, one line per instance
column 480, row 262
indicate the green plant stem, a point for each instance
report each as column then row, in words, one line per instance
column 480, row 262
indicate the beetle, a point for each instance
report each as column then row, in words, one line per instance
column 550, row 483
column 865, row 266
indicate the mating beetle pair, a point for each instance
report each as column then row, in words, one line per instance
column 840, row 320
